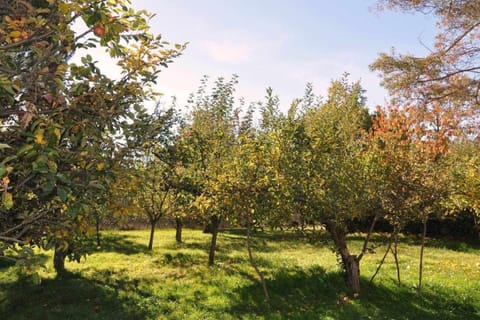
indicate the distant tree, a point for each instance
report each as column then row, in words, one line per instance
column 464, row 169
column 156, row 195
column 206, row 143
column 150, row 149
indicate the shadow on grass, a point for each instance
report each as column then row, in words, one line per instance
column 178, row 259
column 315, row 294
column 468, row 246
column 286, row 235
column 107, row 295
column 118, row 243
column 223, row 259
column 191, row 245
column 8, row 261
column 226, row 243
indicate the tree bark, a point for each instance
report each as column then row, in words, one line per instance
column 420, row 268
column 214, row 223
column 350, row 263
column 353, row 272
column 152, row 232
column 178, row 229
column 59, row 256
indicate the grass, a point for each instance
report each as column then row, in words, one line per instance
column 123, row 280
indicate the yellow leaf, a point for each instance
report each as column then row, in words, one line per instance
column 15, row 34
column 100, row 166
column 57, row 133
column 7, row 200
column 64, row 7
column 39, row 137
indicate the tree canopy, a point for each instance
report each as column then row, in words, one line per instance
column 59, row 119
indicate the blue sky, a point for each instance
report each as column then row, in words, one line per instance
column 282, row 44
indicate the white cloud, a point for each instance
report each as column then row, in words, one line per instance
column 230, row 52
column 236, row 46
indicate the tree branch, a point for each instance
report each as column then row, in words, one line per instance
column 367, row 238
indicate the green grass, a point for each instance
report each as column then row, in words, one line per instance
column 123, row 280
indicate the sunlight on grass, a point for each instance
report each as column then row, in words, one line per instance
column 123, row 280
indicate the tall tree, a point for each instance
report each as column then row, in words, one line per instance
column 436, row 94
column 58, row 118
column 340, row 169
column 447, row 79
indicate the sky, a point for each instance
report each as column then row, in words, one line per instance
column 282, row 44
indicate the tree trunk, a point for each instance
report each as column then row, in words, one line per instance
column 59, row 256
column 395, row 255
column 302, row 224
column 253, row 263
column 178, row 229
column 476, row 221
column 420, row 269
column 97, row 228
column 352, row 269
column 350, row 263
column 214, row 223
column 152, row 232
column 207, row 228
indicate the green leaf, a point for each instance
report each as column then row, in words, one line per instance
column 36, row 279
column 61, row 177
column 4, row 146
column 24, row 149
column 62, row 193
column 9, row 158
column 96, row 184
column 3, row 169
column 47, row 188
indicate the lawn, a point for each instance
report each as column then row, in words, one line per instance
column 123, row 280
